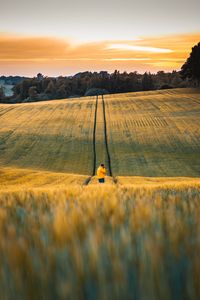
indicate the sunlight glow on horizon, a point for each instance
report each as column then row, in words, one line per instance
column 24, row 55
column 66, row 37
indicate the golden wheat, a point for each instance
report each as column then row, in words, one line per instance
column 96, row 243
column 137, row 239
column 149, row 134
column 53, row 136
column 155, row 133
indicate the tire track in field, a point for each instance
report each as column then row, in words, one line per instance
column 87, row 181
column 110, row 173
column 6, row 111
column 94, row 137
column 106, row 141
column 106, row 138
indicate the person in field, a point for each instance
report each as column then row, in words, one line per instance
column 101, row 173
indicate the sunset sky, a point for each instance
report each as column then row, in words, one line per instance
column 65, row 37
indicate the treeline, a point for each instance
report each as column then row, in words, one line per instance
column 11, row 80
column 91, row 83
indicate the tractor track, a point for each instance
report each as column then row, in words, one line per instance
column 94, row 137
column 106, row 142
column 106, row 137
column 110, row 173
column 6, row 111
column 87, row 181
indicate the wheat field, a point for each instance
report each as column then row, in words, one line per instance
column 155, row 134
column 53, row 136
column 65, row 236
column 150, row 134
column 88, row 242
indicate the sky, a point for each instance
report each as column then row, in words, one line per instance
column 64, row 37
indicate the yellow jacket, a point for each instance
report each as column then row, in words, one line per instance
column 101, row 172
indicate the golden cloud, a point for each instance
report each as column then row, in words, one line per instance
column 147, row 53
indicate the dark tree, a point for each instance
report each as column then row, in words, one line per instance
column 83, row 83
column 50, row 88
column 40, row 76
column 147, row 82
column 2, row 95
column 191, row 68
column 32, row 92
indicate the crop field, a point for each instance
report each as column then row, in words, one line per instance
column 65, row 236
column 154, row 134
column 53, row 136
column 13, row 179
column 88, row 242
column 148, row 134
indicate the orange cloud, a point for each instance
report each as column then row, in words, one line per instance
column 54, row 56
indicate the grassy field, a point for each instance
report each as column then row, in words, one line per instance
column 155, row 133
column 149, row 134
column 64, row 236
column 54, row 136
column 18, row 179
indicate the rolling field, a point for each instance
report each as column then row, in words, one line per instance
column 148, row 134
column 13, row 179
column 53, row 136
column 63, row 235
column 155, row 134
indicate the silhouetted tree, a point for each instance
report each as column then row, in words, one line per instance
column 61, row 92
column 40, row 76
column 2, row 95
column 191, row 68
column 51, row 89
column 147, row 82
column 24, row 87
column 33, row 95
column 82, row 83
